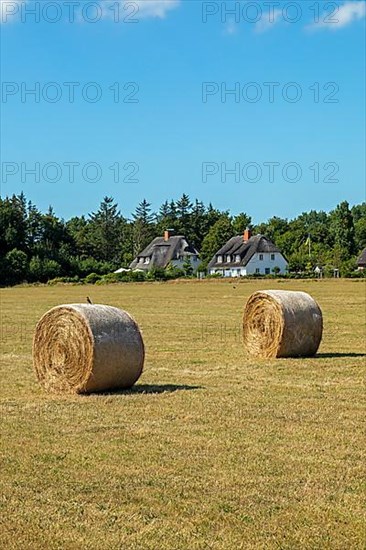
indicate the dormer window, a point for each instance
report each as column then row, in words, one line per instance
column 219, row 259
column 228, row 258
column 147, row 261
column 237, row 258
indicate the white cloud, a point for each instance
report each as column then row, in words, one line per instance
column 139, row 9
column 346, row 14
column 156, row 8
column 269, row 20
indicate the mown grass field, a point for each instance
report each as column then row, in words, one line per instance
column 211, row 450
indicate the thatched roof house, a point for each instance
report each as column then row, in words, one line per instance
column 246, row 255
column 162, row 251
column 361, row 262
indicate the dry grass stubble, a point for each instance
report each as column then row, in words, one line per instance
column 211, row 449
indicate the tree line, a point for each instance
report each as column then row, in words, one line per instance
column 38, row 247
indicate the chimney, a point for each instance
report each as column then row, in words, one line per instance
column 247, row 235
column 168, row 233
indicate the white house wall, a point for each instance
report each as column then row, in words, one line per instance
column 254, row 264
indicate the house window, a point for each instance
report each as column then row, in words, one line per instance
column 273, row 257
column 257, row 270
column 219, row 259
column 261, row 256
column 237, row 258
column 267, row 271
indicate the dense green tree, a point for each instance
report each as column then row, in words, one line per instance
column 13, row 224
column 183, row 214
column 358, row 212
column 172, row 210
column 37, row 247
column 166, row 218
column 17, row 265
column 241, row 222
column 213, row 215
column 53, row 233
column 343, row 231
column 183, row 207
column 143, row 219
column 34, row 226
column 274, row 228
column 104, row 231
column 198, row 224
column 217, row 236
column 43, row 269
column 164, row 211
column 79, row 230
column 360, row 234
column 143, row 213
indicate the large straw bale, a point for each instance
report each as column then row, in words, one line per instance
column 282, row 323
column 82, row 348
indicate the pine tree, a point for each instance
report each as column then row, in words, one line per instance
column 167, row 218
column 143, row 213
column 183, row 206
column 197, row 224
column 142, row 232
column 104, row 231
column 172, row 210
column 164, row 211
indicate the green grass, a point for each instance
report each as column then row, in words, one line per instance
column 211, row 449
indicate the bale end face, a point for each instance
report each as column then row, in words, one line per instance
column 280, row 323
column 81, row 348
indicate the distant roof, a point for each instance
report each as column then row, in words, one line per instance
column 362, row 259
column 236, row 246
column 161, row 252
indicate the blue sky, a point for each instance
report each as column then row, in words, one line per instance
column 180, row 132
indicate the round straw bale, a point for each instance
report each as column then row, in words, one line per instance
column 82, row 348
column 282, row 323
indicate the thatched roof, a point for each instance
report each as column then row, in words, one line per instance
column 361, row 262
column 245, row 249
column 161, row 252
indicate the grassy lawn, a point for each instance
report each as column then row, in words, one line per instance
column 211, row 449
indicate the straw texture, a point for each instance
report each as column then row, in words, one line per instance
column 282, row 323
column 82, row 348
